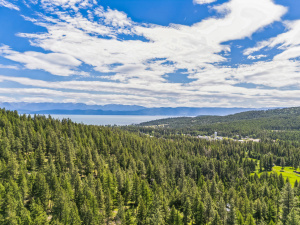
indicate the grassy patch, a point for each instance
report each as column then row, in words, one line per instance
column 288, row 172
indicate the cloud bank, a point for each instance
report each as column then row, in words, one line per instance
column 117, row 60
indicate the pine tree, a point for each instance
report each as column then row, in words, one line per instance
column 282, row 163
column 155, row 213
column 287, row 201
column 135, row 189
column 156, row 218
column 271, row 212
column 239, row 219
column 120, row 217
column 12, row 169
column 250, row 220
column 129, row 219
column 178, row 219
column 9, row 210
column 216, row 220
column 108, row 207
column 38, row 215
column 142, row 213
column 172, row 216
column 258, row 210
column 221, row 207
column 99, row 194
column 127, row 191
column 231, row 218
column 187, row 211
column 261, row 165
column 293, row 218
column 41, row 190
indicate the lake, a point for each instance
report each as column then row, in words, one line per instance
column 109, row 119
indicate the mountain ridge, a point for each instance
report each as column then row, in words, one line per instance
column 114, row 109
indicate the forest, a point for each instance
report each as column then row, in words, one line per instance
column 283, row 124
column 60, row 172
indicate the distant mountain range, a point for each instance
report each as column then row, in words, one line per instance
column 112, row 109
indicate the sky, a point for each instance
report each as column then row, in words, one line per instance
column 153, row 53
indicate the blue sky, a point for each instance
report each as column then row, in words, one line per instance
column 154, row 53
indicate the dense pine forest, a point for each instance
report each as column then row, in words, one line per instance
column 60, row 172
column 283, row 124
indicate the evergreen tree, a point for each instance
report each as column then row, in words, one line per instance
column 129, row 219
column 287, row 201
column 216, row 220
column 187, row 211
column 199, row 214
column 172, row 216
column 108, row 207
column 231, row 218
column 239, row 219
column 250, row 220
column 38, row 215
column 293, row 218
column 282, row 163
column 142, row 213
column 271, row 212
column 120, row 217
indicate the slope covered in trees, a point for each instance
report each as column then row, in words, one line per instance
column 276, row 124
column 180, row 122
column 60, row 172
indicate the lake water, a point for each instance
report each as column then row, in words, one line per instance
column 108, row 119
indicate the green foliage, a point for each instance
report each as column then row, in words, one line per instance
column 293, row 218
column 281, row 124
column 60, row 172
column 287, row 201
column 250, row 220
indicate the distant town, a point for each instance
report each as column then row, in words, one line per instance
column 216, row 137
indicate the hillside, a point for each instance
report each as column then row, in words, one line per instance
column 263, row 123
column 59, row 172
column 181, row 122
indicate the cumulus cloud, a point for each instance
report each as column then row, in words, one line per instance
column 113, row 17
column 136, row 59
column 187, row 47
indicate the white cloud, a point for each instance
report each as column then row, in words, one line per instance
column 113, row 17
column 54, row 63
column 283, row 70
column 278, row 73
column 9, row 67
column 203, row 1
column 253, row 57
column 72, row 4
column 9, row 5
column 197, row 94
column 289, row 53
column 283, row 41
column 48, row 95
column 187, row 47
column 140, row 67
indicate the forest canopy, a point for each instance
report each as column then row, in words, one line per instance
column 61, row 172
